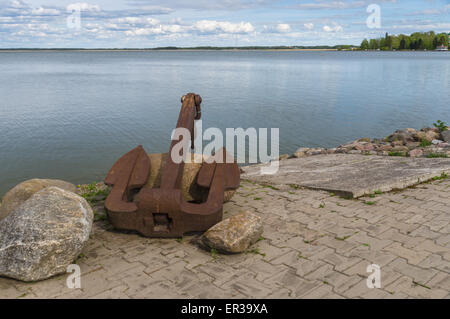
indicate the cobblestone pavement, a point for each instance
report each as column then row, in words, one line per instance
column 315, row 245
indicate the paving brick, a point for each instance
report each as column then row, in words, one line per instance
column 113, row 293
column 341, row 282
column 413, row 257
column 441, row 281
column 416, row 273
column 408, row 286
column 322, row 292
column 429, row 245
column 7, row 289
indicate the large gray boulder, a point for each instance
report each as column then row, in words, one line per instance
column 235, row 234
column 21, row 192
column 446, row 136
column 44, row 235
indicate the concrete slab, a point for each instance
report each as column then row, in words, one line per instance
column 352, row 175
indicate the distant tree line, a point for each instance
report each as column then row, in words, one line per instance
column 317, row 47
column 416, row 41
column 280, row 47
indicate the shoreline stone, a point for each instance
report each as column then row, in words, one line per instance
column 23, row 191
column 235, row 234
column 446, row 136
column 428, row 142
column 44, row 235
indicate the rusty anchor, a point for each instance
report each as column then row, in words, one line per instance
column 163, row 212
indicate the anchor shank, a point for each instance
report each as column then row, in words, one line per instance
column 172, row 173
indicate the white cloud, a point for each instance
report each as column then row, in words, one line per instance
column 144, row 31
column 332, row 5
column 173, row 28
column 309, row 26
column 18, row 4
column 6, row 19
column 157, row 30
column 83, row 6
column 211, row 26
column 424, row 27
column 283, row 27
column 42, row 11
column 203, row 26
column 336, row 28
column 136, row 20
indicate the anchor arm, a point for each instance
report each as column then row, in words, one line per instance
column 128, row 173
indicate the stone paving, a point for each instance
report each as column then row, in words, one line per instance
column 315, row 245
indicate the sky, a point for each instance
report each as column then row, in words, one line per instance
column 187, row 23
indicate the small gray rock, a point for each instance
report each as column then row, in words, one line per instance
column 21, row 192
column 301, row 152
column 415, row 153
column 316, row 151
column 44, row 235
column 235, row 234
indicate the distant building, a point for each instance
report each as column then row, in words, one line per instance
column 442, row 48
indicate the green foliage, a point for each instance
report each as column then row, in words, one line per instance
column 442, row 177
column 300, row 256
column 365, row 45
column 256, row 252
column 213, row 253
column 424, row 143
column 396, row 154
column 271, row 187
column 437, row 155
column 91, row 192
column 99, row 216
column 415, row 41
column 441, row 126
column 421, row 285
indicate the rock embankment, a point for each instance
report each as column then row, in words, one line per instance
column 428, row 142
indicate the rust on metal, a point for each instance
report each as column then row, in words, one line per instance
column 163, row 212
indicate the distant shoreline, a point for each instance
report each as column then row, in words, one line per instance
column 174, row 49
column 154, row 50
column 208, row 50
